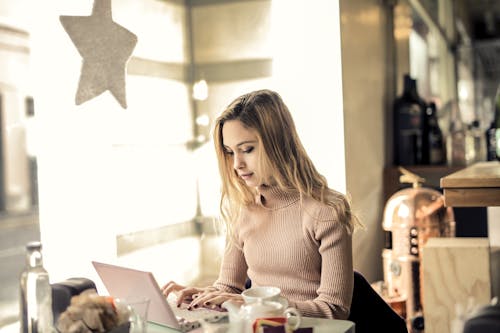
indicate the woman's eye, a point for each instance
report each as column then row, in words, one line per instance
column 248, row 150
column 227, row 152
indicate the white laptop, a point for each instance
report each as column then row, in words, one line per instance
column 122, row 282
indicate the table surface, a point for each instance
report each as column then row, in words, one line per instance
column 482, row 174
column 475, row 186
column 320, row 325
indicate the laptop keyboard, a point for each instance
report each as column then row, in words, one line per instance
column 194, row 314
column 191, row 319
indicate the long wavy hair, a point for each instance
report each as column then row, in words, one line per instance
column 281, row 154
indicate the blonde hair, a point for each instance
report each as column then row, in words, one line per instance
column 281, row 154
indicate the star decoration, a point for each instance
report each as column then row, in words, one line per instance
column 105, row 47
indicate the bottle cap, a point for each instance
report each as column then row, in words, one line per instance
column 34, row 245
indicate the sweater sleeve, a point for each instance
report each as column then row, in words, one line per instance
column 336, row 285
column 233, row 271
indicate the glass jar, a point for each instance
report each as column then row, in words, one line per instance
column 35, row 293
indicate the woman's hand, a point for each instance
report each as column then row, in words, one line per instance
column 171, row 287
column 184, row 294
column 212, row 298
column 208, row 297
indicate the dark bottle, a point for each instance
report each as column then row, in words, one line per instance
column 491, row 143
column 409, row 122
column 434, row 137
column 497, row 123
column 493, row 133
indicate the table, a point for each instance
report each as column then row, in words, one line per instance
column 320, row 326
column 474, row 186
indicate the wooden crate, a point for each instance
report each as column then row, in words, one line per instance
column 454, row 270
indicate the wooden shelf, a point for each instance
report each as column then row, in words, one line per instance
column 474, row 186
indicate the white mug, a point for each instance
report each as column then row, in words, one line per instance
column 263, row 293
column 270, row 312
column 268, row 299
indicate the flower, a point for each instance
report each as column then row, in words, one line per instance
column 91, row 313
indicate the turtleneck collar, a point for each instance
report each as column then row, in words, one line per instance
column 273, row 197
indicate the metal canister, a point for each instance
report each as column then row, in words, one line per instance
column 411, row 217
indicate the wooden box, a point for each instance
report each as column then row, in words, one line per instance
column 454, row 270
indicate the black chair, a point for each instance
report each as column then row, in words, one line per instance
column 63, row 291
column 370, row 312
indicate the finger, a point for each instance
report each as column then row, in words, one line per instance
column 168, row 288
column 206, row 295
column 212, row 299
column 194, row 296
column 185, row 295
column 200, row 300
column 171, row 287
column 219, row 299
column 167, row 284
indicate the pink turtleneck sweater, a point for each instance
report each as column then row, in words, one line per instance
column 300, row 247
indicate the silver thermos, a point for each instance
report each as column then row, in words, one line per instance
column 411, row 216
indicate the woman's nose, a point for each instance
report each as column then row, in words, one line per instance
column 238, row 161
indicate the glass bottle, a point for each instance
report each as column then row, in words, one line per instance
column 409, row 120
column 455, row 140
column 437, row 154
column 36, row 293
column 493, row 132
column 497, row 123
column 470, row 153
column 491, row 142
column 478, row 143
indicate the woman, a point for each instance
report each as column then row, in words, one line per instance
column 286, row 228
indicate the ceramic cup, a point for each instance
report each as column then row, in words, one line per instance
column 271, row 313
column 251, row 317
column 271, row 297
column 263, row 293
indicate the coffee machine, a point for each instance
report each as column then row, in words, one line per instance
column 411, row 216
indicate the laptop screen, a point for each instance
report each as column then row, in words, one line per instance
column 123, row 282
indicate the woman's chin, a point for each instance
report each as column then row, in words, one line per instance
column 250, row 182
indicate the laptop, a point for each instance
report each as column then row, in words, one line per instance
column 122, row 282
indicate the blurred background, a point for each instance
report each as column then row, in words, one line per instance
column 139, row 186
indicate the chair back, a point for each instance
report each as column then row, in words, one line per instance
column 370, row 312
column 62, row 292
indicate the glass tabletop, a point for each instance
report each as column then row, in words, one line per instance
column 320, row 325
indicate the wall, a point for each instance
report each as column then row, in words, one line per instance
column 366, row 70
column 268, row 44
column 283, row 56
column 14, row 87
column 234, row 57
